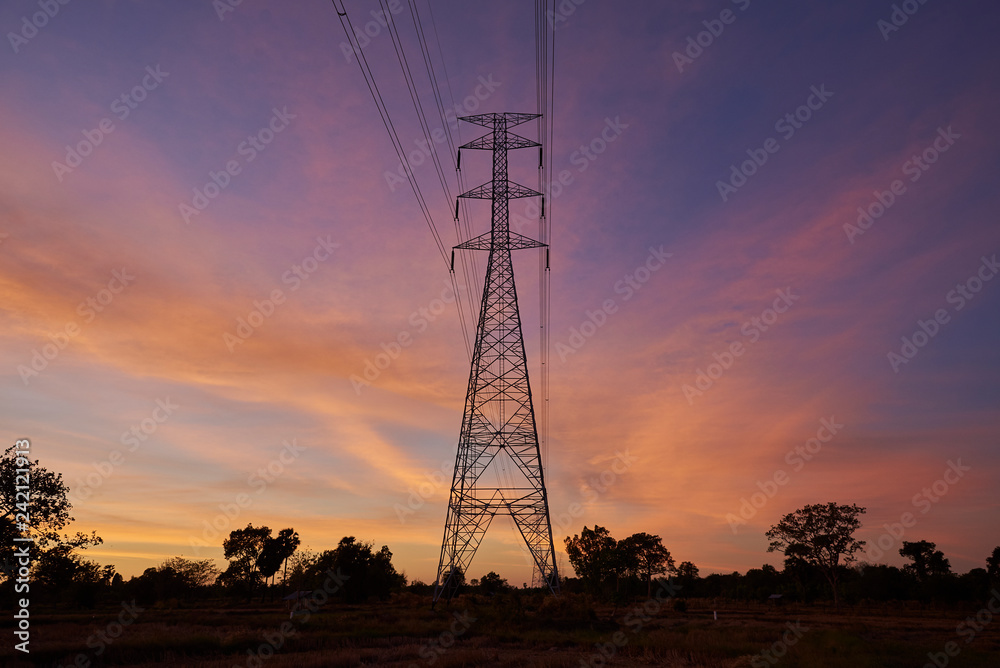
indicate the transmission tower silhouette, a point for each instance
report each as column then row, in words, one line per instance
column 499, row 423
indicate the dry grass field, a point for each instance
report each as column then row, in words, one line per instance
column 524, row 630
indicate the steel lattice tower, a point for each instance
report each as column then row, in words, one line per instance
column 499, row 422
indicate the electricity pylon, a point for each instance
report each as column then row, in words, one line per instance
column 498, row 429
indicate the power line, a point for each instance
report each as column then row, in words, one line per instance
column 463, row 229
column 345, row 22
column 436, row 89
column 545, row 94
column 397, row 144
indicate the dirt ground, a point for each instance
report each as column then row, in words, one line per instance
column 475, row 631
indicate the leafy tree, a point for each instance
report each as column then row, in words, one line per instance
column 593, row 554
column 276, row 552
column 761, row 582
column 59, row 568
column 687, row 577
column 270, row 558
column 193, row 573
column 687, row 571
column 993, row 564
column 383, row 577
column 455, row 580
column 48, row 515
column 492, row 583
column 50, row 505
column 882, row 582
column 283, row 546
column 820, row 535
column 243, row 549
column 158, row 583
column 300, row 563
column 927, row 562
column 646, row 557
column 69, row 577
column 972, row 586
column 364, row 572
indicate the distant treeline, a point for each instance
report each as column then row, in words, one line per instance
column 818, row 542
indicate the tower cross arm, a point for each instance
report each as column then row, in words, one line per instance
column 487, row 191
column 516, row 191
column 484, row 242
column 517, row 141
column 491, row 120
column 512, row 141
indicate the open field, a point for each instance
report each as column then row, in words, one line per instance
column 508, row 631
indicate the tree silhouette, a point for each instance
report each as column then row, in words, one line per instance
column 645, row 556
column 243, row 549
column 819, row 535
column 687, row 576
column 993, row 564
column 195, row 574
column 364, row 572
column 288, row 542
column 927, row 561
column 269, row 562
column 593, row 554
column 48, row 516
column 276, row 552
column 492, row 583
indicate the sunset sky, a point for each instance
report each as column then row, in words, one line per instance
column 125, row 363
